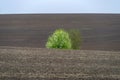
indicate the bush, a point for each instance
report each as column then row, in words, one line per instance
column 59, row 39
column 76, row 39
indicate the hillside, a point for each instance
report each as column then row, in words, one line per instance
column 99, row 31
column 22, row 63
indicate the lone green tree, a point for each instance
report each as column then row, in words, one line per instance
column 59, row 39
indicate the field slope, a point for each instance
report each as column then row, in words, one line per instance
column 18, row 63
column 98, row 31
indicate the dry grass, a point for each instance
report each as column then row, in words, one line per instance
column 50, row 64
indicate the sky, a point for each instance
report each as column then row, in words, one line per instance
column 59, row 6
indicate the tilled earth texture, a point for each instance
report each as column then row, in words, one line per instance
column 22, row 63
column 98, row 31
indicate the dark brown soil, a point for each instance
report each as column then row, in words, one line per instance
column 99, row 31
column 50, row 64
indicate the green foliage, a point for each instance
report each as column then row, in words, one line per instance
column 75, row 38
column 59, row 39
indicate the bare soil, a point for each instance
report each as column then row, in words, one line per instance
column 23, row 63
column 99, row 31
